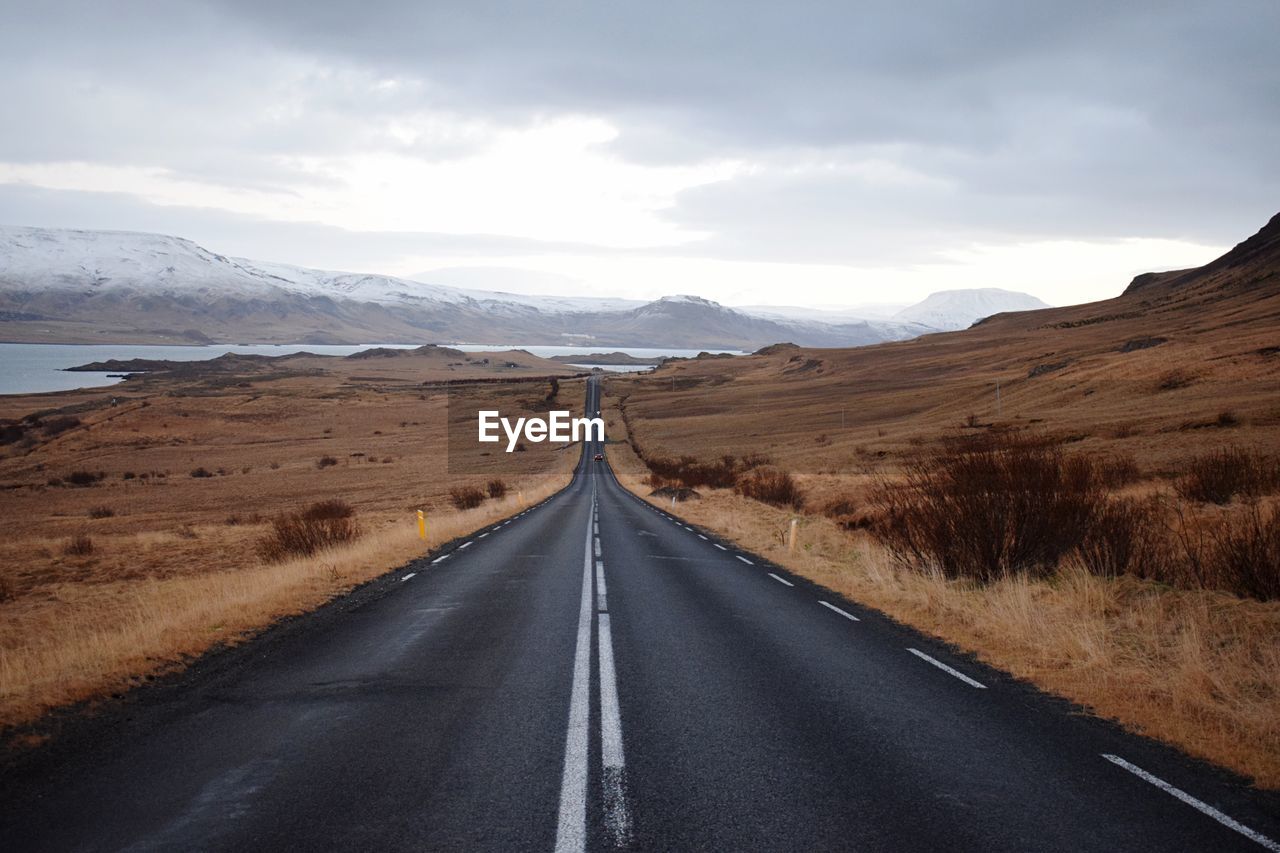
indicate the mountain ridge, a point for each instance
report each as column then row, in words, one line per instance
column 59, row 285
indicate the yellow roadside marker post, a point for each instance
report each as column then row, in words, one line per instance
column 422, row 525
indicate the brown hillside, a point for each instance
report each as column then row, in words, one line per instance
column 1166, row 358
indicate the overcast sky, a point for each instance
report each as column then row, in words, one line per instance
column 802, row 153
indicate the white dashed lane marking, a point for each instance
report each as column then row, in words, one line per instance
column 1200, row 806
column 942, row 666
column 848, row 616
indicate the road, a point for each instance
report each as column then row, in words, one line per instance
column 594, row 674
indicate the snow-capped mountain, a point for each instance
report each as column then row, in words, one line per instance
column 115, row 286
column 959, row 309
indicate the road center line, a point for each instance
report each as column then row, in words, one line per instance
column 438, row 559
column 482, row 535
column 466, row 544
column 617, row 815
column 942, row 666
column 848, row 616
column 602, row 599
column 700, row 536
column 1200, row 806
column 406, row 577
column 781, row 580
column 571, row 826
column 744, row 559
column 721, row 547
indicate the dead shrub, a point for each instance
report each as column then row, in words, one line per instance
column 1244, row 553
column 1227, row 419
column 11, row 432
column 691, row 473
column 331, row 508
column 298, row 534
column 201, row 473
column 58, row 425
column 1127, row 537
column 1116, row 472
column 987, row 507
column 771, row 486
column 497, row 488
column 101, row 512
column 1175, row 379
column 846, row 512
column 83, row 478
column 326, row 462
column 1222, row 475
column 79, row 545
column 466, row 497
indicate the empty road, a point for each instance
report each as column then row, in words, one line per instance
column 594, row 675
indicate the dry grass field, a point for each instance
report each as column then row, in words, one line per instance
column 132, row 518
column 1161, row 632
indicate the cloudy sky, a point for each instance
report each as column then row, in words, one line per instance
column 804, row 153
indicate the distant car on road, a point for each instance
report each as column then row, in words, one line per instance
column 599, row 457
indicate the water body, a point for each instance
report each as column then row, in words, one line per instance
column 36, row 368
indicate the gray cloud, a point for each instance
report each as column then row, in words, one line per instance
column 301, row 243
column 1038, row 119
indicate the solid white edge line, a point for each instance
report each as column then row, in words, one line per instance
column 849, row 616
column 780, row 580
column 744, row 559
column 617, row 815
column 406, row 577
column 942, row 666
column 571, row 825
column 1199, row 805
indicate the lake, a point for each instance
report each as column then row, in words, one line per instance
column 35, row 368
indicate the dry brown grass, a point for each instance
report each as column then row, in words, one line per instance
column 177, row 568
column 83, row 640
column 1197, row 669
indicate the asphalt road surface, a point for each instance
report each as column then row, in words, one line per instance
column 594, row 674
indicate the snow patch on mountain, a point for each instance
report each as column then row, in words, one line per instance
column 950, row 310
